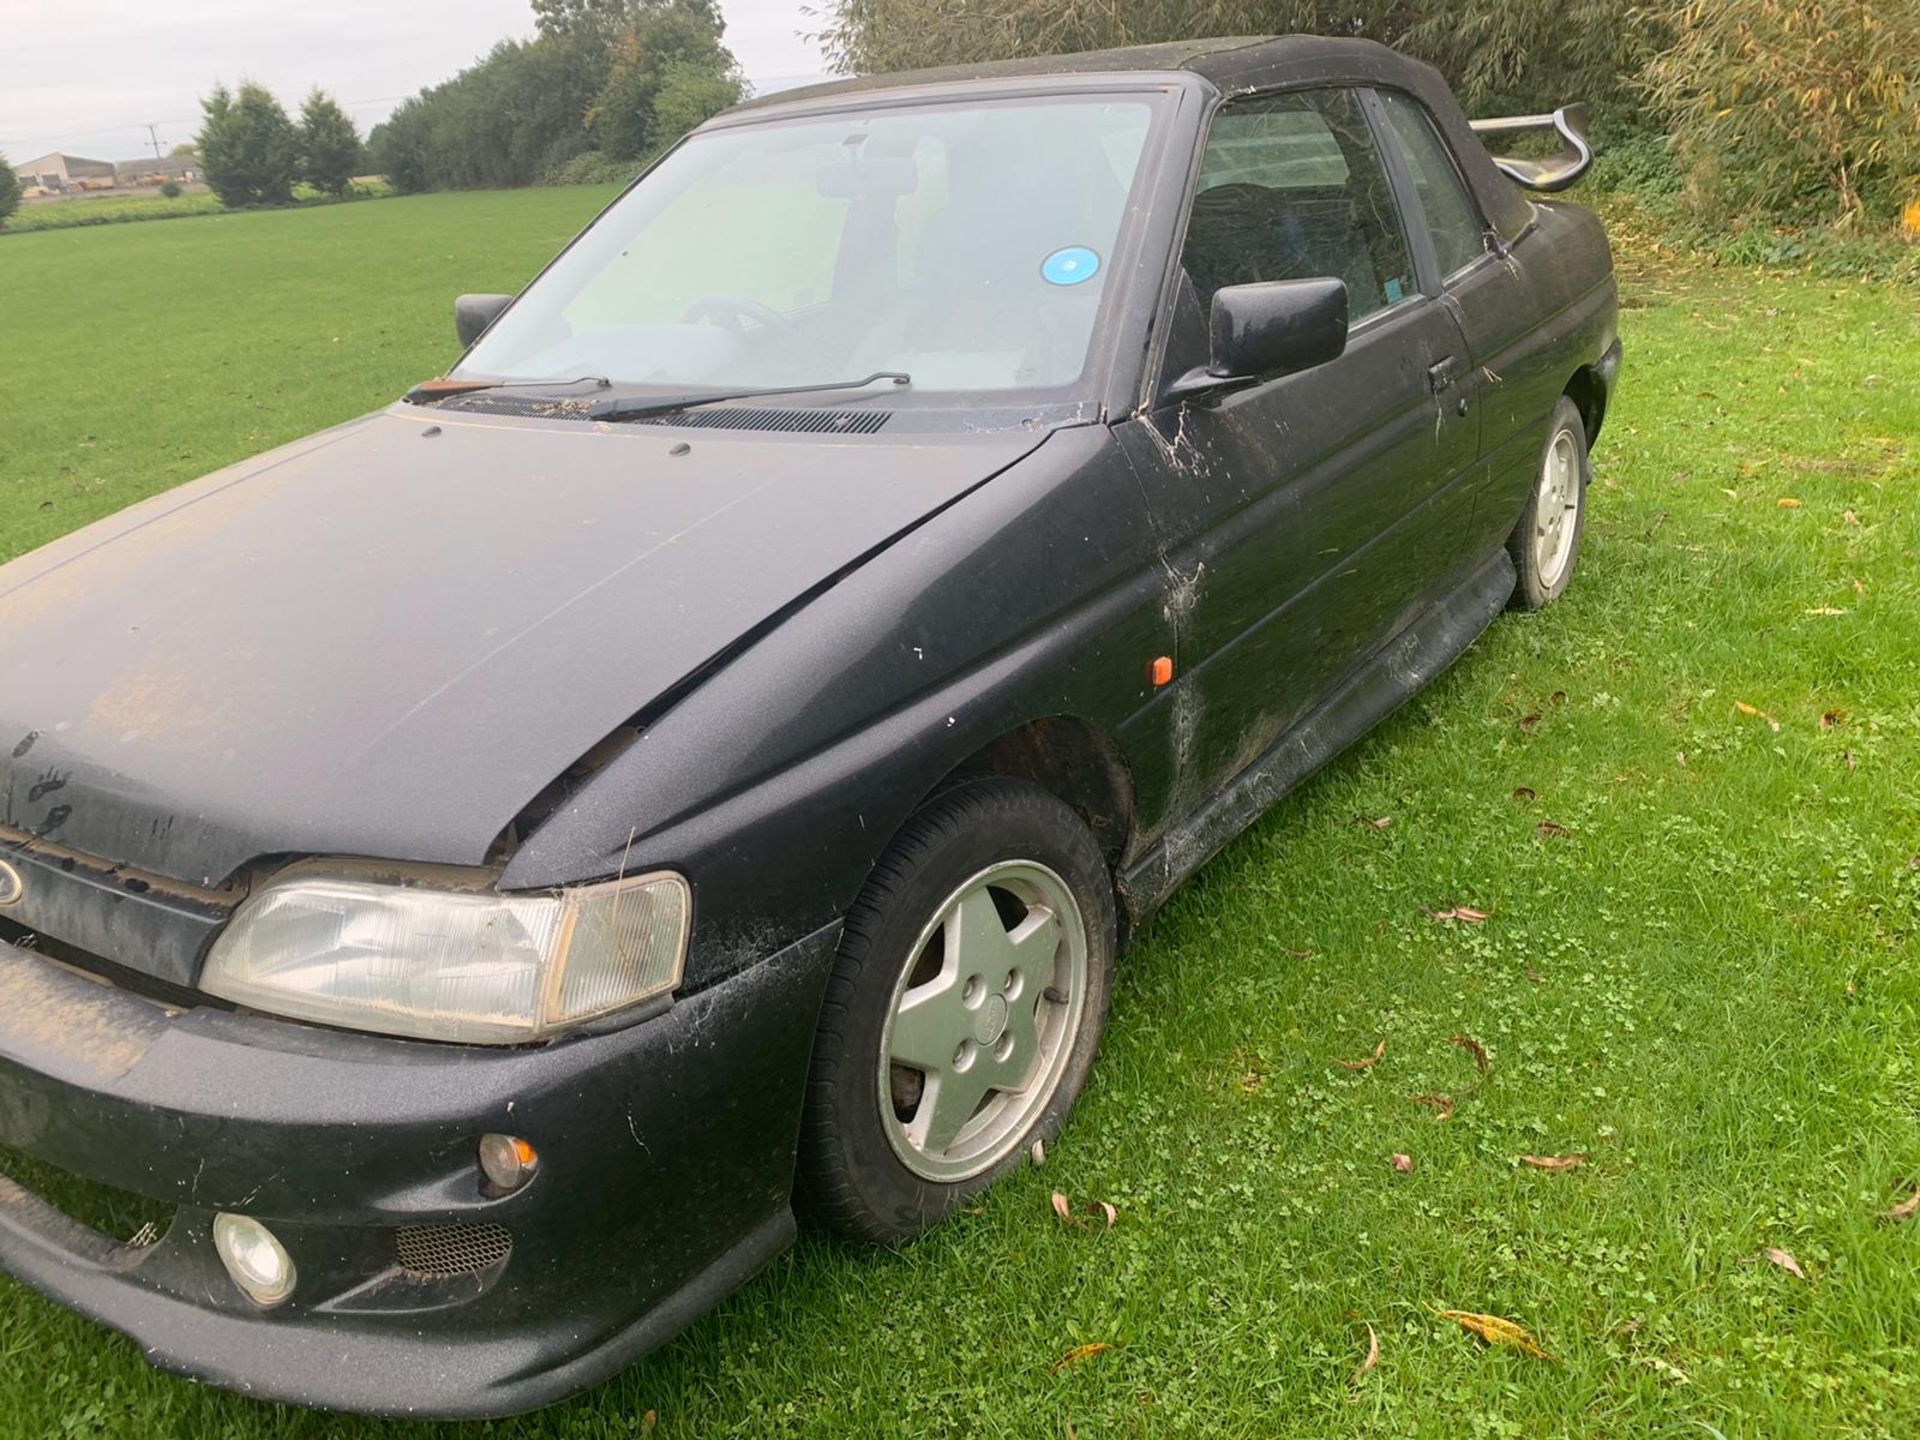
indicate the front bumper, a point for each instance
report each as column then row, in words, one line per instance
column 666, row 1157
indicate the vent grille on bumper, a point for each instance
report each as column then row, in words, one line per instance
column 442, row 1252
column 119, row 1216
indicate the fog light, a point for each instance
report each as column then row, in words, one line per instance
column 258, row 1263
column 507, row 1161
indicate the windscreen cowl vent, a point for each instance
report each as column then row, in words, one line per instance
column 814, row 422
column 734, row 417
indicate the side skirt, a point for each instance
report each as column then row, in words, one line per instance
column 1398, row 671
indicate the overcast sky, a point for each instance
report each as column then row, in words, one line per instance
column 85, row 76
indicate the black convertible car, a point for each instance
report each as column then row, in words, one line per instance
column 467, row 876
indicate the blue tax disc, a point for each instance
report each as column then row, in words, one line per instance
column 1073, row 265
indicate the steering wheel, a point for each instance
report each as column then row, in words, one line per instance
column 727, row 311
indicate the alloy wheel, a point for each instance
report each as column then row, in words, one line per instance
column 983, row 1019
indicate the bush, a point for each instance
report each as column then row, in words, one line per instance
column 593, row 168
column 249, row 149
column 9, row 190
column 1796, row 112
column 170, row 188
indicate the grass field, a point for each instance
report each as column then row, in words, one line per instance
column 117, row 209
column 1685, row 795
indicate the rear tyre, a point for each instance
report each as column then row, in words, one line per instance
column 963, row 1013
column 1546, row 543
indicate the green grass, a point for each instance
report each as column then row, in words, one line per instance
column 1711, row 985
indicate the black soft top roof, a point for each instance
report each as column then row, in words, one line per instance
column 1231, row 65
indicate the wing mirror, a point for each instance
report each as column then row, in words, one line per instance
column 472, row 314
column 1261, row 332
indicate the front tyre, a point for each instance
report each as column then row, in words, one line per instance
column 964, row 1010
column 1546, row 542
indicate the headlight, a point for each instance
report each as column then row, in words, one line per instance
column 437, row 955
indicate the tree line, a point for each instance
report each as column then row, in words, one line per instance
column 601, row 87
column 1802, row 111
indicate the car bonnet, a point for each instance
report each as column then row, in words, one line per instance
column 387, row 639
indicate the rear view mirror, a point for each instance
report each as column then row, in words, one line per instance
column 472, row 314
column 1261, row 332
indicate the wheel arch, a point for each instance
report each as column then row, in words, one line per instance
column 1589, row 397
column 1069, row 758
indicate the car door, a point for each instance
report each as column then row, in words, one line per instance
column 1513, row 383
column 1289, row 510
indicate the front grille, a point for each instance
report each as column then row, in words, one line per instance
column 441, row 1252
column 121, row 1216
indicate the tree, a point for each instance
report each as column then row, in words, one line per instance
column 1498, row 54
column 185, row 147
column 670, row 57
column 1795, row 112
column 513, row 117
column 329, row 145
column 606, row 20
column 9, row 190
column 248, row 147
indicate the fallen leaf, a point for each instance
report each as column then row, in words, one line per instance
column 1373, row 1356
column 1061, row 1206
column 1474, row 1048
column 1366, row 1064
column 1859, row 588
column 1039, row 1152
column 649, row 1422
column 1850, row 517
column 1906, row 1209
column 1668, row 1369
column 1549, row 830
column 1784, row 1259
column 1440, row 1103
column 1380, row 823
column 1852, row 763
column 1527, row 722
column 1823, row 610
column 1077, row 1354
column 1534, row 975
column 1456, row 912
column 1832, row 718
column 1557, row 698
column 1787, row 502
column 1301, row 954
column 1106, row 1208
column 1496, row 1331
column 1525, row 794
column 1404, row 1163
column 1554, row 1162
column 1745, row 709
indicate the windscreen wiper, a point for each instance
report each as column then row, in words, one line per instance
column 428, row 391
column 643, row 409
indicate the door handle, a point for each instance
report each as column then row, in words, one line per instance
column 1441, row 373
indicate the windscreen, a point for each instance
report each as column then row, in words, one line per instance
column 966, row 245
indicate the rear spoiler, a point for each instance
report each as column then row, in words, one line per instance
column 1556, row 172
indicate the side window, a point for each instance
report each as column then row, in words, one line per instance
column 1459, row 236
column 1291, row 187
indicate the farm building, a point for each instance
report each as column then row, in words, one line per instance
column 65, row 172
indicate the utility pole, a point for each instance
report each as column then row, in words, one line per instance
column 156, row 141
